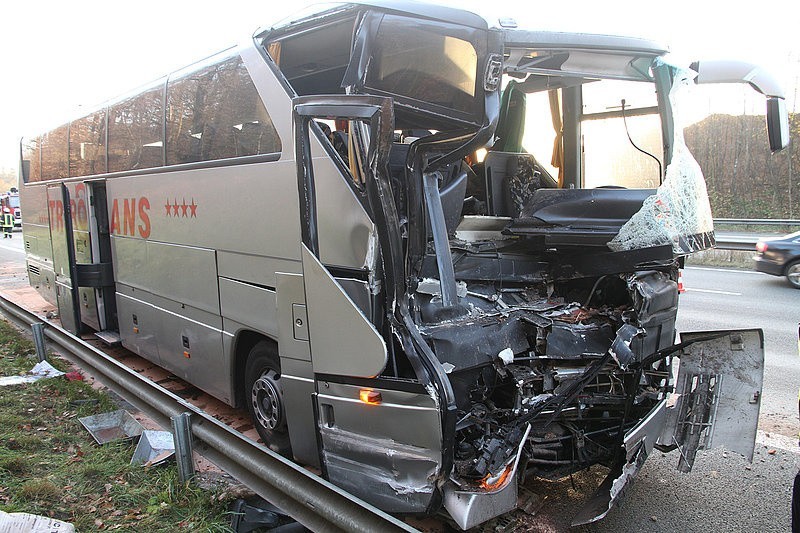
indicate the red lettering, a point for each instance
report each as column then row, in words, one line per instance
column 79, row 213
column 115, row 218
column 129, row 217
column 59, row 214
column 72, row 212
column 144, row 227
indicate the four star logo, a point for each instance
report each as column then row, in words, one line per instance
column 176, row 209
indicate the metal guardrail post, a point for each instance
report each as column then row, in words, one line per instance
column 38, row 340
column 182, row 436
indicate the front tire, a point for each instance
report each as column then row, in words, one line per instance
column 264, row 397
column 793, row 274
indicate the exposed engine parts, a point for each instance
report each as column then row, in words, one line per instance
column 554, row 364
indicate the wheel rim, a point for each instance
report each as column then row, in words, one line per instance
column 266, row 399
column 793, row 275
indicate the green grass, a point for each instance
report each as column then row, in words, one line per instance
column 49, row 464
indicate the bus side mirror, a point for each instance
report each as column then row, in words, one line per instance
column 777, row 124
column 723, row 71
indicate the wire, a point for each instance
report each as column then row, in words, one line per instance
column 628, row 133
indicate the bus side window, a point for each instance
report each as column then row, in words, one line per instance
column 54, row 154
column 135, row 132
column 31, row 160
column 215, row 113
column 87, row 151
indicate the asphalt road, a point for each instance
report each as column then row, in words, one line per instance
column 723, row 492
column 732, row 299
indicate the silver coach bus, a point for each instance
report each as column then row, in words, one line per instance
column 432, row 257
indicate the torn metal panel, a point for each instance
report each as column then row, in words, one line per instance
column 495, row 496
column 718, row 394
column 470, row 508
column 394, row 476
column 621, row 346
column 638, row 444
column 611, row 490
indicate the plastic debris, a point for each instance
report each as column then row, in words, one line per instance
column 31, row 523
column 41, row 370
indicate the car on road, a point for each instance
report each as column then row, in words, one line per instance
column 780, row 256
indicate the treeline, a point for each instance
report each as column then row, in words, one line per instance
column 744, row 179
column 8, row 178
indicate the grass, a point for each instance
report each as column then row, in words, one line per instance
column 49, row 464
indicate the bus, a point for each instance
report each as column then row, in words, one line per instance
column 431, row 254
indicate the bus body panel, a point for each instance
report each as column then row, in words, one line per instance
column 413, row 371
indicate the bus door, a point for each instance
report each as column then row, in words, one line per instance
column 380, row 437
column 95, row 273
column 63, row 242
column 79, row 232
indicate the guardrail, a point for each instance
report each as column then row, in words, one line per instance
column 756, row 222
column 747, row 243
column 309, row 499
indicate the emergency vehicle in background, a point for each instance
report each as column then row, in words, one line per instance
column 418, row 246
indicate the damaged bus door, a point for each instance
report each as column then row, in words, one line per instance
column 380, row 437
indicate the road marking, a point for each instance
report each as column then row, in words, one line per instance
column 3, row 246
column 776, row 440
column 712, row 291
column 729, row 270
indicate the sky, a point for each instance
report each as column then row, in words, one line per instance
column 61, row 59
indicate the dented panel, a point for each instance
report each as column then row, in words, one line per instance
column 388, row 453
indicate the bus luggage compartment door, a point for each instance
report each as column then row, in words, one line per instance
column 62, row 238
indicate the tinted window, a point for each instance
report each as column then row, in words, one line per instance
column 214, row 113
column 419, row 60
column 135, row 132
column 54, row 154
column 315, row 61
column 31, row 163
column 87, row 145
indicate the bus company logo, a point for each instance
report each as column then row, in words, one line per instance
column 131, row 217
column 182, row 209
column 77, row 209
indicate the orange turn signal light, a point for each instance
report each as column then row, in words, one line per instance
column 187, row 355
column 370, row 396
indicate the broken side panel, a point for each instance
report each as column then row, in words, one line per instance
column 388, row 451
column 718, row 394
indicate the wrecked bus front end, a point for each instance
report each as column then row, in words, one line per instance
column 524, row 300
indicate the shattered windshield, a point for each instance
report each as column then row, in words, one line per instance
column 679, row 213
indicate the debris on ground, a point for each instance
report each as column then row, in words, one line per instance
column 31, row 523
column 41, row 370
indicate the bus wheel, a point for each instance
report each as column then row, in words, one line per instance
column 264, row 396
